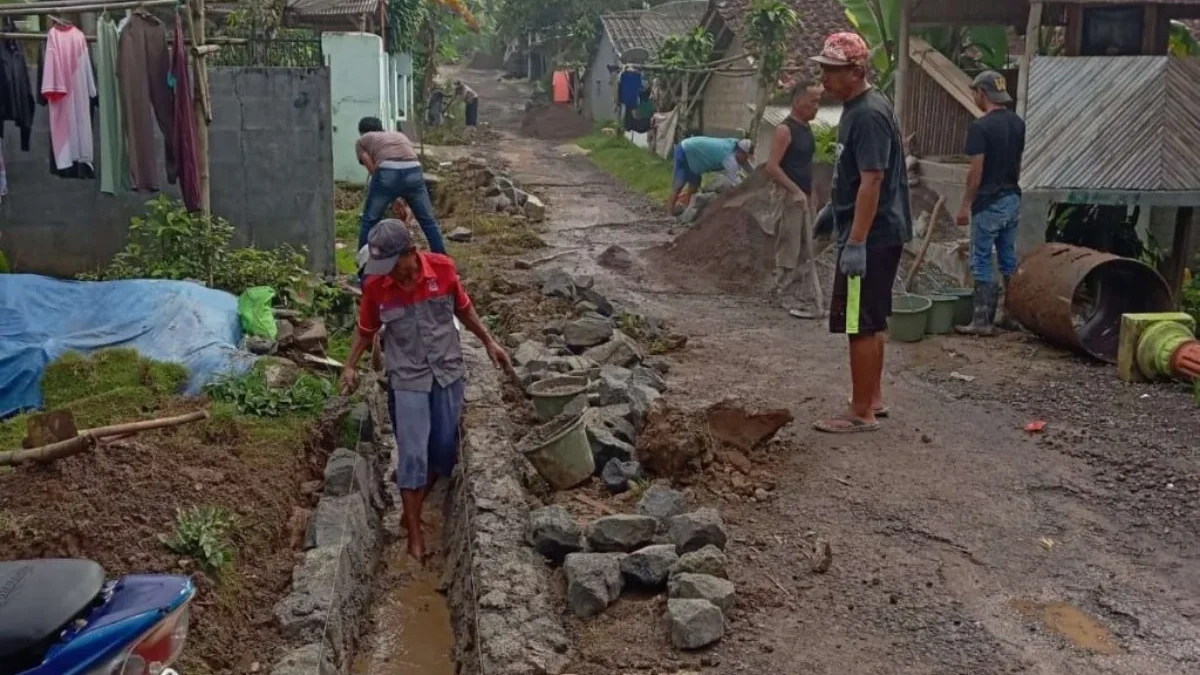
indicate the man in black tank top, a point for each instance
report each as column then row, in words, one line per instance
column 793, row 147
column 790, row 166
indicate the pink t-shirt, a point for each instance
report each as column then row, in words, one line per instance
column 69, row 86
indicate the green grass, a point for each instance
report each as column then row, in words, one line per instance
column 345, row 231
column 640, row 169
column 105, row 387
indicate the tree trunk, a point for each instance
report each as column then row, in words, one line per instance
column 760, row 109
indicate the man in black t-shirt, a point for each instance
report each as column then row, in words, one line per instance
column 870, row 206
column 992, row 200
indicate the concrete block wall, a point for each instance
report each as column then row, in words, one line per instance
column 727, row 100
column 271, row 168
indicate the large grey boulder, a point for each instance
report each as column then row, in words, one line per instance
column 649, row 567
column 615, row 419
column 329, row 591
column 602, row 303
column 345, row 523
column 694, row 623
column 556, row 283
column 612, row 385
column 310, row 659
column 616, row 475
column 641, row 397
column 588, row 330
column 621, row 350
column 661, row 502
column 693, row 531
column 348, row 472
column 709, row 560
column 554, row 533
column 605, row 446
column 716, row 590
column 622, row 532
column 530, row 351
column 593, row 582
column 649, row 377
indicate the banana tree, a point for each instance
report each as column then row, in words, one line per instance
column 1181, row 42
column 878, row 22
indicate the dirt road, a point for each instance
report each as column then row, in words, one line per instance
column 962, row 544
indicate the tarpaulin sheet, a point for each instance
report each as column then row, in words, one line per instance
column 174, row 321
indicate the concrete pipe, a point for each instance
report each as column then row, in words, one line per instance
column 1074, row 297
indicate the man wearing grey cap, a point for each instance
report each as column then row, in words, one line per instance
column 992, row 200
column 413, row 298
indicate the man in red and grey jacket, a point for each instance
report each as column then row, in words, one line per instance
column 413, row 298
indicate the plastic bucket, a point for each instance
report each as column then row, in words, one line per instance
column 909, row 316
column 964, row 304
column 560, row 452
column 553, row 394
column 941, row 314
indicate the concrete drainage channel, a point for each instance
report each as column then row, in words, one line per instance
column 359, row 606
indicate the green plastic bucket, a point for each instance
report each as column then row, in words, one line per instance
column 553, row 394
column 909, row 316
column 964, row 304
column 560, row 452
column 941, row 315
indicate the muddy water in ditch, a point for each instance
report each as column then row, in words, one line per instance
column 410, row 632
column 1069, row 622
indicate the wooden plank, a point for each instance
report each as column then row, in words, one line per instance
column 1033, row 29
column 904, row 59
column 947, row 75
column 1181, row 248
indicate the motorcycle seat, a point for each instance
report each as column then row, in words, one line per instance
column 39, row 597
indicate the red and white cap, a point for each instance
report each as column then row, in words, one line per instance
column 843, row 49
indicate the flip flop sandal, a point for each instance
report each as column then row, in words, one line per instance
column 853, row 425
column 881, row 411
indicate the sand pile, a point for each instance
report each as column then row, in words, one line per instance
column 554, row 123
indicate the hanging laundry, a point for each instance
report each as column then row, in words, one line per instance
column 561, row 85
column 143, row 66
column 114, row 160
column 69, row 87
column 629, row 88
column 16, row 93
column 185, row 122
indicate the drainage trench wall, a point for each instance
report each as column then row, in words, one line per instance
column 505, row 620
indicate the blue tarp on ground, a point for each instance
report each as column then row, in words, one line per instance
column 174, row 321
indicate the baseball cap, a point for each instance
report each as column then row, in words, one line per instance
column 746, row 145
column 993, row 85
column 388, row 240
column 843, row 49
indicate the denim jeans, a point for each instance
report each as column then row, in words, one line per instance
column 995, row 226
column 388, row 185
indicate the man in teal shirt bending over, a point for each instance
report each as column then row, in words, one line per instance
column 699, row 155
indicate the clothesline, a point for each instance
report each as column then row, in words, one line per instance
column 31, row 9
column 92, row 38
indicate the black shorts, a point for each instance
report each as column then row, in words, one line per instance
column 874, row 292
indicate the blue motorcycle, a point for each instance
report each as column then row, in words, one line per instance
column 61, row 617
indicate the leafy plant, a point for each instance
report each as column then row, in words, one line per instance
column 170, row 242
column 1181, row 42
column 825, row 137
column 252, row 395
column 768, row 27
column 202, row 534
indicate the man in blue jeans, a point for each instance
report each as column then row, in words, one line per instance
column 395, row 174
column 992, row 200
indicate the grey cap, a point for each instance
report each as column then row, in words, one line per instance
column 993, row 85
column 388, row 240
column 746, row 145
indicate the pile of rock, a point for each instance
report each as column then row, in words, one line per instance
column 502, row 194
column 661, row 547
column 623, row 382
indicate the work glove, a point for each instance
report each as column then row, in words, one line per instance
column 854, row 259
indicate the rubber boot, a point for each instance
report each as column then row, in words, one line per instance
column 985, row 308
column 1002, row 320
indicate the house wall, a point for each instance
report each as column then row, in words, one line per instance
column 725, row 98
column 271, row 168
column 601, row 94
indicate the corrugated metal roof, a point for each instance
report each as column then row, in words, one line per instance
column 1113, row 123
column 827, row 115
column 648, row 28
column 313, row 8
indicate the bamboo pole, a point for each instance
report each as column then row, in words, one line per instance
column 209, row 44
column 1033, row 30
column 40, row 8
column 912, row 273
column 201, row 103
column 87, row 439
column 903, row 59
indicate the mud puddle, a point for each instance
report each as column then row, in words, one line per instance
column 410, row 621
column 1069, row 622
